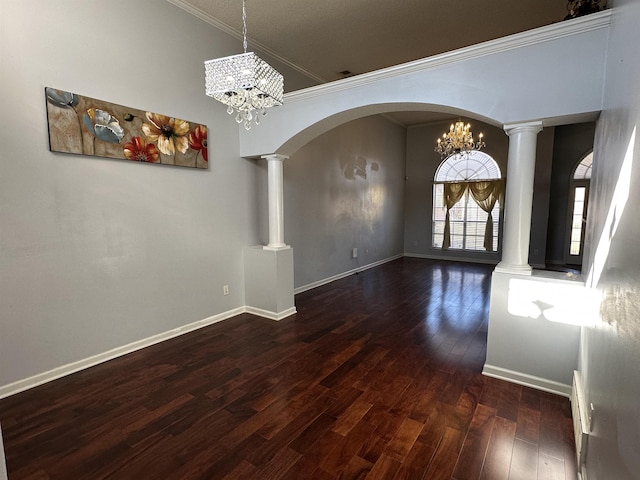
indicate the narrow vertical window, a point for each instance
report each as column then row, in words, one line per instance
column 578, row 209
column 576, row 220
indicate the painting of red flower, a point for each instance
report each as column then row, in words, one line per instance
column 139, row 150
column 198, row 141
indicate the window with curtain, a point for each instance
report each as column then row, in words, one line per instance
column 467, row 192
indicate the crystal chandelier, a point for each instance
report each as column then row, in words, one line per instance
column 245, row 83
column 459, row 140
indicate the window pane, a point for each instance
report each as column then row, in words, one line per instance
column 474, row 243
column 583, row 170
column 575, row 248
column 577, row 223
column 457, row 241
column 578, row 208
column 438, row 199
column 456, row 214
column 457, row 228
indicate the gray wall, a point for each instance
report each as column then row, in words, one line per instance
column 541, row 196
column 610, row 359
column 98, row 253
column 571, row 144
column 345, row 190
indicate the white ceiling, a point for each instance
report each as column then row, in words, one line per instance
column 325, row 37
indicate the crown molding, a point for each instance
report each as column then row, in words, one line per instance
column 576, row 26
column 202, row 15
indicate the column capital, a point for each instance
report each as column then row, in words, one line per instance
column 533, row 127
column 275, row 156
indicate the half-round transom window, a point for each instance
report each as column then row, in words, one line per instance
column 469, row 167
column 583, row 170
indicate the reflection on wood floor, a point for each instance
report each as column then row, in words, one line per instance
column 377, row 376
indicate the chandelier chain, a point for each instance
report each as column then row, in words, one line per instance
column 245, row 83
column 244, row 25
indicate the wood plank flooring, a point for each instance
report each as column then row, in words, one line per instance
column 376, row 377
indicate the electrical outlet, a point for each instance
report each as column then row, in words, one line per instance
column 225, row 290
column 354, row 253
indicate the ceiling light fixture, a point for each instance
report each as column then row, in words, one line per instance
column 245, row 83
column 459, row 140
column 578, row 8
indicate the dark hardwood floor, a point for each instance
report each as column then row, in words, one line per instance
column 377, row 376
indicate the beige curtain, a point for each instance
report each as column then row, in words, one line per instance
column 486, row 194
column 453, row 192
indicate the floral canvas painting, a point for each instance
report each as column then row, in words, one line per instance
column 86, row 126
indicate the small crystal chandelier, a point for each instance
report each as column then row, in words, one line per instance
column 459, row 140
column 245, row 83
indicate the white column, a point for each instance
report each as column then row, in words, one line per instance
column 276, row 202
column 521, row 165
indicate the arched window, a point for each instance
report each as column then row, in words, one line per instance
column 578, row 215
column 467, row 191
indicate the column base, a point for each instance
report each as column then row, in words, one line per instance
column 269, row 281
column 274, row 248
column 512, row 268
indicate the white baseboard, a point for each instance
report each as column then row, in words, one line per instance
column 271, row 315
column 68, row 369
column 333, row 278
column 527, row 380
